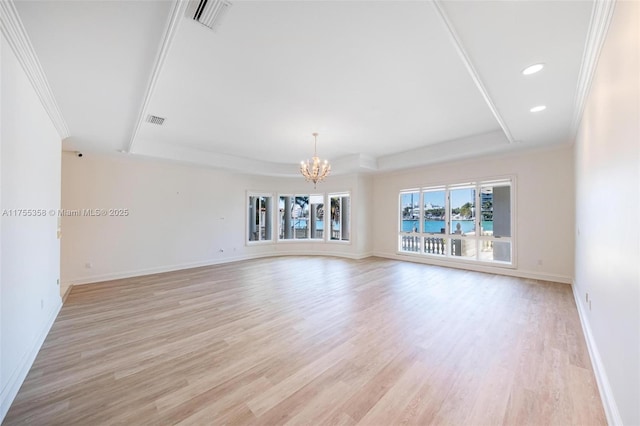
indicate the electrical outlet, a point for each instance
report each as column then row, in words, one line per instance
column 58, row 281
column 586, row 297
column 88, row 265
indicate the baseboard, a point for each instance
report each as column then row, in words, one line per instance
column 352, row 256
column 534, row 275
column 19, row 374
column 91, row 279
column 159, row 270
column 66, row 294
column 606, row 394
column 357, row 256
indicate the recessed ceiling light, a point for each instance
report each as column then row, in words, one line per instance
column 538, row 108
column 532, row 69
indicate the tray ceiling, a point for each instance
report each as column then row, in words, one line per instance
column 386, row 84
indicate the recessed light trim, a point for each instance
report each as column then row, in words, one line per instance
column 538, row 108
column 532, row 69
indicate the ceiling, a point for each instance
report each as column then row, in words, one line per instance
column 387, row 84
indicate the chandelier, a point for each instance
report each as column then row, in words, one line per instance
column 315, row 171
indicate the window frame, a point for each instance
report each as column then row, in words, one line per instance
column 276, row 222
column 328, row 236
column 324, row 217
column 267, row 223
column 416, row 239
column 309, row 238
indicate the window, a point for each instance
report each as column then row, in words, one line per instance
column 410, row 221
column 462, row 221
column 434, row 207
column 471, row 221
column 260, row 217
column 340, row 217
column 316, row 203
column 287, row 216
column 301, row 217
column 495, row 199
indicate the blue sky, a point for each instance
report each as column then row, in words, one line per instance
column 462, row 196
column 436, row 198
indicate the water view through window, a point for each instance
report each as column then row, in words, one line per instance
column 458, row 221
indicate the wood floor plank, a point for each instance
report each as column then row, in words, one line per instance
column 313, row 341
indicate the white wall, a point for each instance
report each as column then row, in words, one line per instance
column 544, row 208
column 607, row 211
column 181, row 216
column 364, row 215
column 30, row 250
column 178, row 217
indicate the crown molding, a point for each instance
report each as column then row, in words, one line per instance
column 175, row 18
column 601, row 15
column 16, row 35
column 457, row 43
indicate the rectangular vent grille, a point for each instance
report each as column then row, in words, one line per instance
column 210, row 12
column 155, row 120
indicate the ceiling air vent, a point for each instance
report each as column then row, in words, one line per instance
column 155, row 120
column 210, row 12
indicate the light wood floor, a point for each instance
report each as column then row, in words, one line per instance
column 309, row 340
